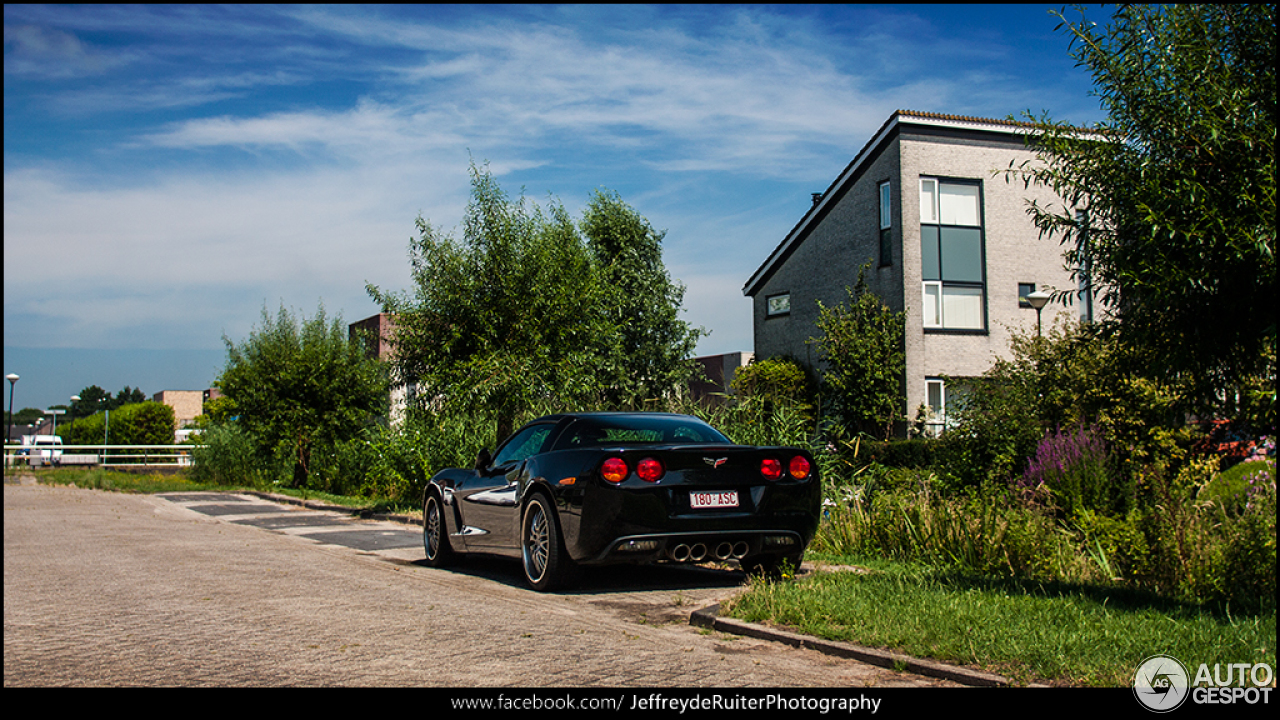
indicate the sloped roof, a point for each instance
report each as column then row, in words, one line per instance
column 868, row 151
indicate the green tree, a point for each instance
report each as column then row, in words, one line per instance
column 301, row 385
column 775, row 380
column 862, row 345
column 25, row 416
column 522, row 312
column 128, row 395
column 1170, row 202
column 651, row 350
column 500, row 319
column 93, row 399
column 143, row 423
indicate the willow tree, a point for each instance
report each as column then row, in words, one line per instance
column 1169, row 209
column 301, row 385
column 499, row 319
column 522, row 311
column 650, row 351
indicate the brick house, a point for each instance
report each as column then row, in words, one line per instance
column 949, row 242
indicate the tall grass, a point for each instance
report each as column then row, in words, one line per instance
column 972, row 533
column 1177, row 543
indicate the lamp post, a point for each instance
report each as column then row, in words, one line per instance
column 55, row 413
column 72, row 409
column 53, row 447
column 12, row 378
column 1038, row 300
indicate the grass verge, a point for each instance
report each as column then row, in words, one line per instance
column 119, row 481
column 1063, row 634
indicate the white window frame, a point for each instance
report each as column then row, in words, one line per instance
column 934, row 210
column 769, row 305
column 932, row 303
column 937, row 398
column 935, row 402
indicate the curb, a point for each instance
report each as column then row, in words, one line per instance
column 709, row 617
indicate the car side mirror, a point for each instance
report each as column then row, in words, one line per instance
column 483, row 460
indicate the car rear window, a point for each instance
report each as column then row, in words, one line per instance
column 588, row 432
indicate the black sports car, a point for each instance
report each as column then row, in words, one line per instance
column 599, row 488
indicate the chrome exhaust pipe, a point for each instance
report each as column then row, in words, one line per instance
column 724, row 550
column 680, row 553
column 697, row 553
column 740, row 549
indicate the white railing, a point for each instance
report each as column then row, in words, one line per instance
column 123, row 456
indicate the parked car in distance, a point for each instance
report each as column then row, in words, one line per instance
column 582, row 489
column 46, row 447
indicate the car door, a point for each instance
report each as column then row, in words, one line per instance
column 489, row 498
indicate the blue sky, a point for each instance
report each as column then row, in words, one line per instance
column 171, row 170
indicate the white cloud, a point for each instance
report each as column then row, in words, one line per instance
column 233, row 179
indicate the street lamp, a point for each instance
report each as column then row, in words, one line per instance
column 12, row 378
column 52, row 448
column 1038, row 300
column 55, row 413
column 71, row 411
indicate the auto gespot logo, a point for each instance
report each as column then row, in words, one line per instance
column 1162, row 683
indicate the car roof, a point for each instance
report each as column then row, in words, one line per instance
column 609, row 414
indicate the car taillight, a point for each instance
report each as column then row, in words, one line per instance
column 799, row 467
column 771, row 468
column 650, row 470
column 614, row 470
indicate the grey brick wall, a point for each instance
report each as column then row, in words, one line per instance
column 825, row 262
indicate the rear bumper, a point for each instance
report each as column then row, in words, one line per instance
column 694, row 547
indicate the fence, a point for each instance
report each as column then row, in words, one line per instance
column 122, row 456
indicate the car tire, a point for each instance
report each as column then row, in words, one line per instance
column 546, row 564
column 435, row 533
column 773, row 566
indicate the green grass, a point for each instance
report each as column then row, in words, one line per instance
column 1030, row 632
column 119, row 481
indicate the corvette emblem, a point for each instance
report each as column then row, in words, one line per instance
column 715, row 462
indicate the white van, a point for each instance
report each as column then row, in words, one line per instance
column 45, row 447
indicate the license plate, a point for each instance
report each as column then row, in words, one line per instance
column 725, row 499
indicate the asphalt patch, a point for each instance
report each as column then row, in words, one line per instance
column 375, row 539
column 203, row 498
column 292, row 521
column 237, row 509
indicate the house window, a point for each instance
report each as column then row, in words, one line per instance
column 776, row 305
column 942, row 396
column 951, row 249
column 1025, row 289
column 886, row 225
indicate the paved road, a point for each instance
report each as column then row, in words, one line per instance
column 107, row 589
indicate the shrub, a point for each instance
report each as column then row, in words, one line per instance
column 1248, row 565
column 228, row 456
column 1074, row 469
column 144, row 423
column 779, row 379
column 862, row 344
column 913, row 453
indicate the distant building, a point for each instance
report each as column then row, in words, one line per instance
column 380, row 332
column 186, row 404
column 718, row 372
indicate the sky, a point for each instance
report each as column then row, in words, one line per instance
column 170, row 172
